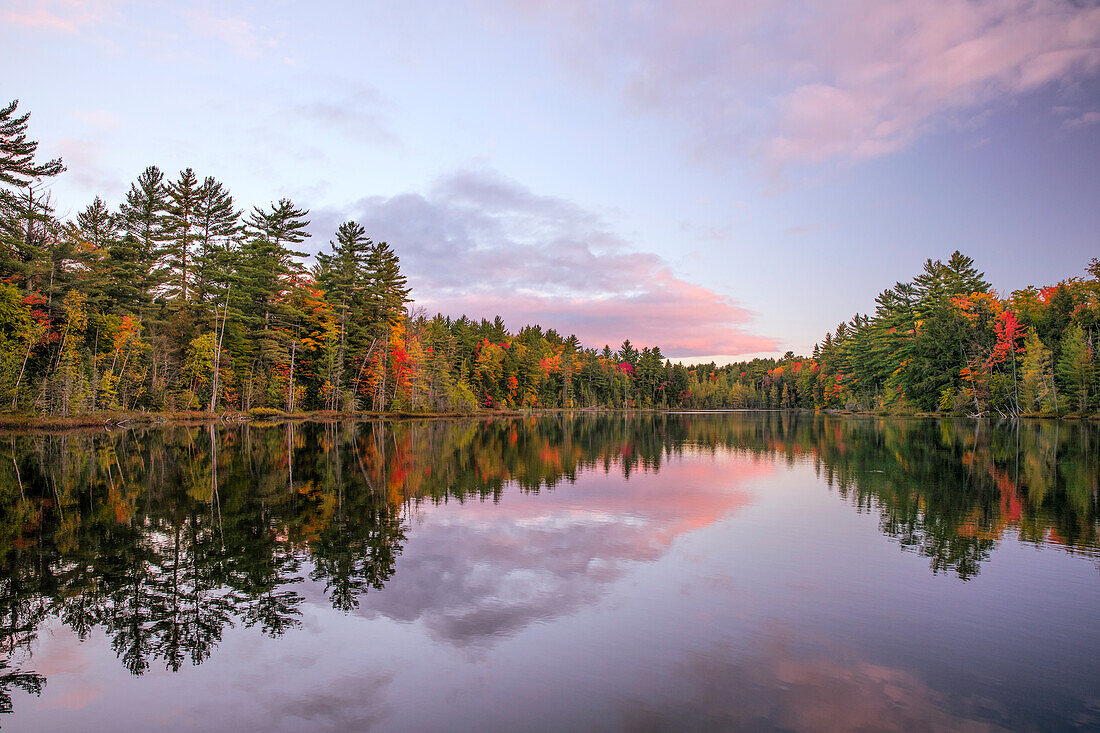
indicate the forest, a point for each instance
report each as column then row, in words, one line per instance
column 179, row 300
column 944, row 342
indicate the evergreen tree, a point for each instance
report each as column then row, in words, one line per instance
column 97, row 226
column 95, row 232
column 1036, row 376
column 181, row 222
column 267, row 262
column 28, row 228
column 387, row 294
column 388, row 289
column 962, row 277
column 344, row 276
column 24, row 212
column 219, row 226
column 628, row 354
column 17, row 166
column 134, row 262
column 281, row 227
column 267, row 270
column 1075, row 368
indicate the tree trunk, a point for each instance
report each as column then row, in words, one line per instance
column 218, row 347
column 14, row 397
column 1015, row 388
column 290, row 391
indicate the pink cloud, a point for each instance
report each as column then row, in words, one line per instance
column 480, row 245
column 38, row 18
column 1083, row 120
column 554, row 552
column 66, row 16
column 682, row 319
column 898, row 67
column 781, row 681
column 839, row 79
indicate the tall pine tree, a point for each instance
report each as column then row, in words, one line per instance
column 181, row 223
column 267, row 269
column 218, row 224
column 24, row 210
column 136, row 273
column 344, row 275
column 1075, row 368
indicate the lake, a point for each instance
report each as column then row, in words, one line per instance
column 697, row 571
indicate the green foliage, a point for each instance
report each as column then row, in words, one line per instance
column 1036, row 377
column 945, row 342
column 183, row 200
column 135, row 271
column 1075, row 368
column 172, row 301
column 265, row 412
column 199, row 366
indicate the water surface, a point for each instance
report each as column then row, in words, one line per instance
column 686, row 571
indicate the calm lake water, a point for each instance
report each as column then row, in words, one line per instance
column 686, row 571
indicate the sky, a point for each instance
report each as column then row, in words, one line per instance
column 720, row 179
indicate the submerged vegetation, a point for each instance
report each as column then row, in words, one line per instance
column 177, row 300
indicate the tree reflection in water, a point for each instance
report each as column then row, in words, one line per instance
column 164, row 537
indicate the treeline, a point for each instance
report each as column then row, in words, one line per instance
column 179, row 300
column 943, row 342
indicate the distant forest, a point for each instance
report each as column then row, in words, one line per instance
column 179, row 300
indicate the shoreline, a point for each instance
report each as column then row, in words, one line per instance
column 117, row 420
column 120, row 420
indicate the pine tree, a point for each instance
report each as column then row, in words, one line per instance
column 97, row 227
column 182, row 232
column 387, row 295
column 17, row 166
column 268, row 263
column 24, row 211
column 281, row 227
column 1075, row 368
column 628, row 354
column 388, row 290
column 93, row 234
column 134, row 263
column 27, row 228
column 267, row 269
column 217, row 225
column 345, row 278
column 962, row 277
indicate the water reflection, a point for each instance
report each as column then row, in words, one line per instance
column 784, row 688
column 950, row 489
column 492, row 569
column 164, row 538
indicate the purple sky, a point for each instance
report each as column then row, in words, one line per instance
column 720, row 179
